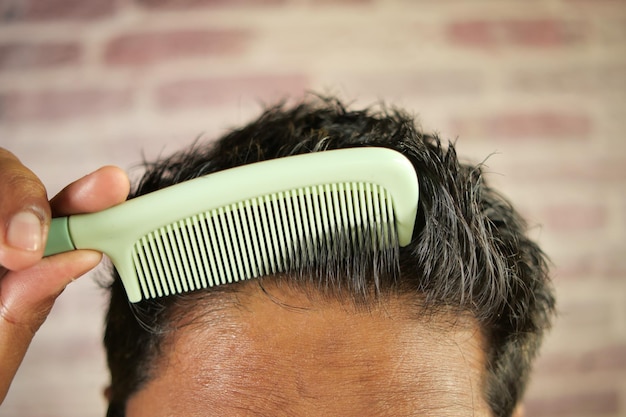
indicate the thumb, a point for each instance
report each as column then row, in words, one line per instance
column 26, row 298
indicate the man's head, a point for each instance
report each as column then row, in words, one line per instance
column 450, row 327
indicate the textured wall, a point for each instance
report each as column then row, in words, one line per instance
column 540, row 85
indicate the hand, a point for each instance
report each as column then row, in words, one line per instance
column 29, row 284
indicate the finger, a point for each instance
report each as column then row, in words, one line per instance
column 97, row 191
column 26, row 298
column 28, row 292
column 24, row 214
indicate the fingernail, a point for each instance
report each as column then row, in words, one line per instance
column 25, row 231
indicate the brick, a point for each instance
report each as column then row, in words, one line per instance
column 21, row 56
column 600, row 169
column 610, row 358
column 60, row 105
column 574, row 218
column 152, row 47
column 571, row 80
column 607, row 265
column 612, row 31
column 526, row 125
column 190, row 4
column 340, row 2
column 579, row 404
column 595, row 3
column 418, row 82
column 220, row 91
column 531, row 33
column 40, row 10
column 591, row 316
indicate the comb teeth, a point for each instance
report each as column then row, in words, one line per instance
column 279, row 232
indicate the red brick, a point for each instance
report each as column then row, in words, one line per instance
column 153, row 47
column 219, row 91
column 19, row 10
column 20, row 55
column 575, row 218
column 535, row 33
column 59, row 105
column 526, row 125
column 189, row 4
column 578, row 404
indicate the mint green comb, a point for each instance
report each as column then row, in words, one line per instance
column 249, row 221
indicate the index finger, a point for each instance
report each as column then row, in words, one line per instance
column 24, row 214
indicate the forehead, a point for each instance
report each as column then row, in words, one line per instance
column 279, row 352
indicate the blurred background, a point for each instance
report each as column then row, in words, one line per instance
column 538, row 87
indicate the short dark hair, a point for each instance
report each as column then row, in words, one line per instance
column 470, row 251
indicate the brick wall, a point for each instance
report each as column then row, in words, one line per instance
column 540, row 85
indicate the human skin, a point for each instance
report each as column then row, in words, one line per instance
column 276, row 351
column 29, row 284
column 252, row 354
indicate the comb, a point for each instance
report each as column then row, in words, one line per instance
column 250, row 221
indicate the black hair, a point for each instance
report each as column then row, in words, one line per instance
column 470, row 251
